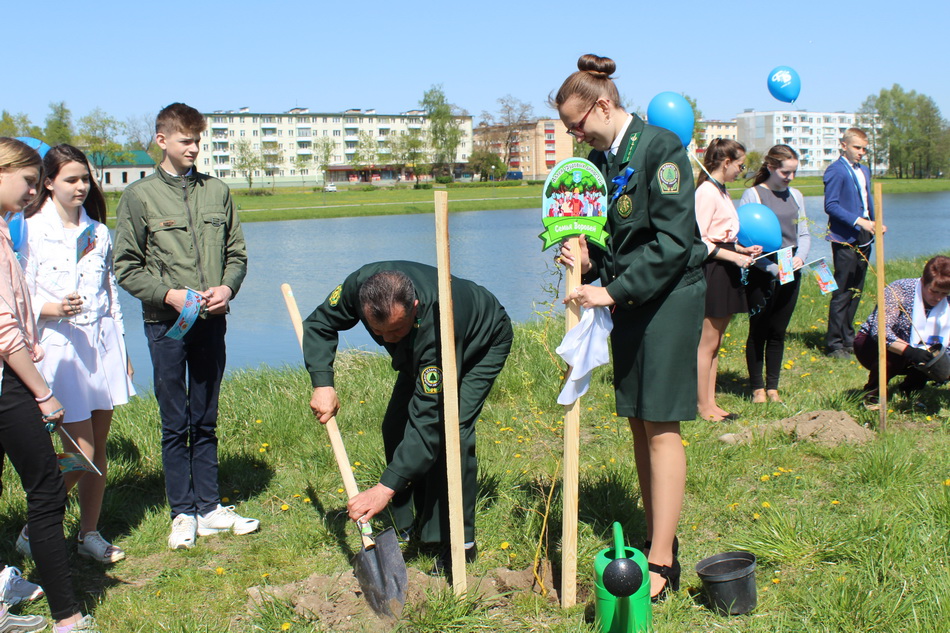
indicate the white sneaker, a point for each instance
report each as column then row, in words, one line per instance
column 10, row 623
column 225, row 519
column 85, row 625
column 15, row 589
column 183, row 532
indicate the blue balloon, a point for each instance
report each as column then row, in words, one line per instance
column 17, row 229
column 785, row 84
column 672, row 111
column 40, row 147
column 758, row 225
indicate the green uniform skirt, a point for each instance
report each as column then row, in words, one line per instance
column 654, row 352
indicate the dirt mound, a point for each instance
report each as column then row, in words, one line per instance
column 338, row 604
column 828, row 428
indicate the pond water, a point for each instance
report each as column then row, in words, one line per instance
column 497, row 249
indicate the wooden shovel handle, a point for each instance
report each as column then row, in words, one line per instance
column 333, row 431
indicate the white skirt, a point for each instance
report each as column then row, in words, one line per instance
column 86, row 366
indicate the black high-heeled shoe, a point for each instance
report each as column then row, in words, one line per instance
column 669, row 573
column 647, row 544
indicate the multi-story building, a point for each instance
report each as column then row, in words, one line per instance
column 289, row 142
column 712, row 129
column 816, row 136
column 532, row 148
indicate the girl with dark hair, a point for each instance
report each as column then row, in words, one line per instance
column 651, row 274
column 26, row 403
column 725, row 295
column 68, row 265
column 770, row 303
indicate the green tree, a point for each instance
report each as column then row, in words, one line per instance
column 699, row 128
column 59, row 124
column 444, row 130
column 18, row 125
column 140, row 135
column 753, row 160
column 301, row 164
column 272, row 157
column 581, row 149
column 367, row 153
column 247, row 160
column 323, row 154
column 98, row 134
column 487, row 164
column 408, row 151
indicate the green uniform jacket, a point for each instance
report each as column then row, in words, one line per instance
column 479, row 321
column 654, row 239
column 175, row 232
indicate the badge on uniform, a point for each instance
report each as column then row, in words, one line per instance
column 334, row 297
column 668, row 176
column 431, row 378
column 86, row 242
column 625, row 206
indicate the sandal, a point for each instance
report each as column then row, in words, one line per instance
column 94, row 547
column 671, row 574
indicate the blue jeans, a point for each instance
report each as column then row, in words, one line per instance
column 187, row 375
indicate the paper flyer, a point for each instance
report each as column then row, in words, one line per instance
column 188, row 316
column 786, row 269
column 823, row 275
column 86, row 242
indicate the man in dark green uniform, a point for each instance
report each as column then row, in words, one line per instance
column 398, row 302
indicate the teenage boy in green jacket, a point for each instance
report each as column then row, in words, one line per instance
column 398, row 302
column 175, row 230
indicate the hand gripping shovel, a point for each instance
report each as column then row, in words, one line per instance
column 379, row 566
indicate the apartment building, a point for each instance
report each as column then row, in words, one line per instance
column 532, row 148
column 288, row 143
column 816, row 136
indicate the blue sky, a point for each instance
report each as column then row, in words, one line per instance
column 132, row 58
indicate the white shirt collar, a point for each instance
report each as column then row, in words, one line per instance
column 615, row 146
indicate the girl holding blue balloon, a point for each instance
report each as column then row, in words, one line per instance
column 771, row 303
column 68, row 265
column 725, row 294
column 28, row 407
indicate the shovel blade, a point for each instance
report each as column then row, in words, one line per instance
column 382, row 575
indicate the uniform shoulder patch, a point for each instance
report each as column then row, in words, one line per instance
column 431, row 378
column 668, row 177
column 334, row 297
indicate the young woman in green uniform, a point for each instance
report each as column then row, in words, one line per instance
column 651, row 275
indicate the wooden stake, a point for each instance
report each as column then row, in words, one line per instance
column 572, row 439
column 450, row 396
column 881, row 308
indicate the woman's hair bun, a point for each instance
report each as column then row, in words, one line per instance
column 596, row 64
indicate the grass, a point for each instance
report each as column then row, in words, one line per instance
column 300, row 203
column 848, row 538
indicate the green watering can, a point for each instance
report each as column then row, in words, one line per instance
column 622, row 589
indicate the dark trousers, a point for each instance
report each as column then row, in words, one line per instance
column 24, row 438
column 187, row 376
column 429, row 495
column 770, row 310
column 865, row 350
column 851, row 265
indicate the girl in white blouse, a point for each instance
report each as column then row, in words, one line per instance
column 68, row 265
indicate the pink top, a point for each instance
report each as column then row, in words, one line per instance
column 716, row 216
column 17, row 326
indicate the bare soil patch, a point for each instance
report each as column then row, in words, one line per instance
column 828, row 428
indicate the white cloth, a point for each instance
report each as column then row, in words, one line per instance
column 584, row 348
column 929, row 328
column 86, row 361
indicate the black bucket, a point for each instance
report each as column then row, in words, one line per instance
column 729, row 582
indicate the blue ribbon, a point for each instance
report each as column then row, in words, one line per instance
column 621, row 181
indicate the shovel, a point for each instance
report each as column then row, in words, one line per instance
column 378, row 566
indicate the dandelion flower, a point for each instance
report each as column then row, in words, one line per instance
column 835, row 502
column 685, row 442
column 219, row 571
column 766, row 504
column 306, row 499
column 776, row 580
column 284, row 506
column 764, row 478
column 265, row 575
column 755, row 516
column 262, row 449
column 285, row 626
column 504, row 545
column 265, row 445
column 339, row 490
column 258, row 421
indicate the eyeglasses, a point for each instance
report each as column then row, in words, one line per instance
column 574, row 129
column 742, row 167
